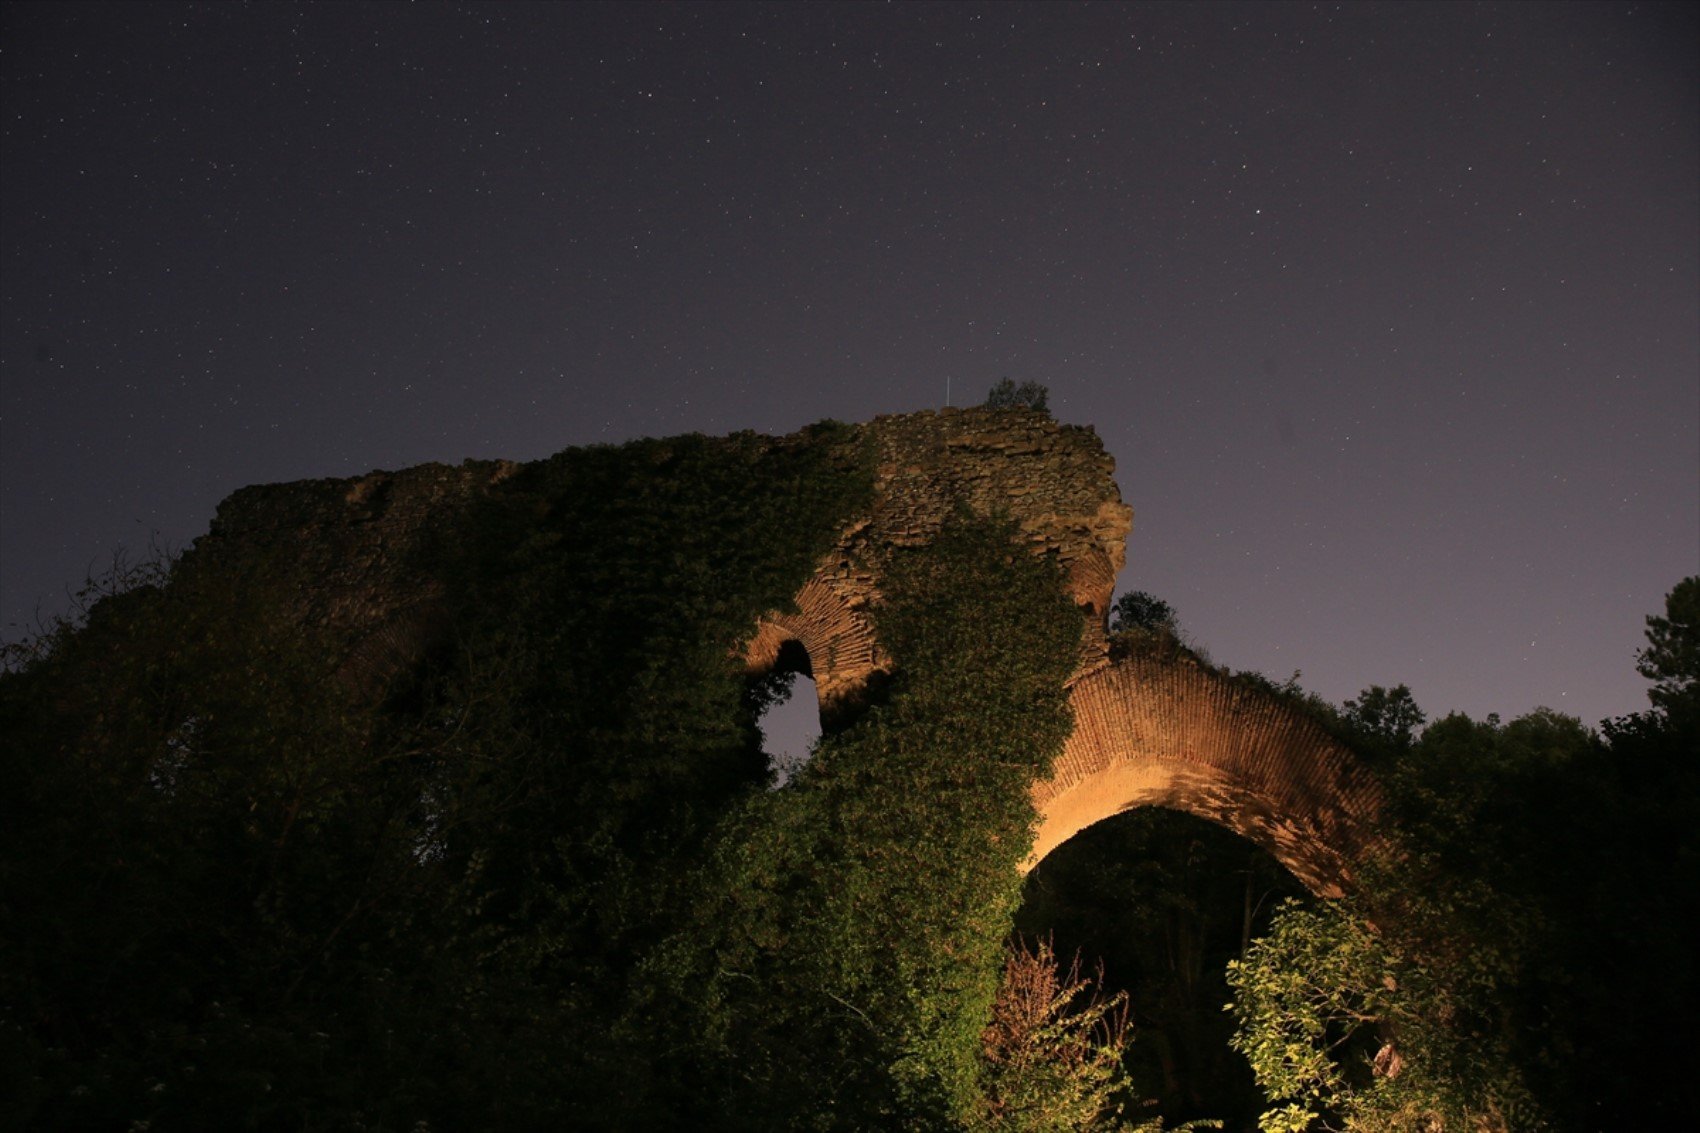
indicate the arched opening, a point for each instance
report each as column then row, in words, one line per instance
column 1164, row 900
column 790, row 720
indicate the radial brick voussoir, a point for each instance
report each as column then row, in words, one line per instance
column 1151, row 731
column 837, row 635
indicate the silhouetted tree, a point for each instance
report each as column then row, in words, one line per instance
column 1386, row 719
column 1672, row 656
column 1534, row 918
column 1029, row 395
column 1139, row 610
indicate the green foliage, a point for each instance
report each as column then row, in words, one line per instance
column 1672, row 656
column 1054, row 1047
column 199, row 844
column 238, row 895
column 121, row 577
column 1431, row 1019
column 606, row 599
column 1629, row 873
column 1137, row 610
column 1524, row 933
column 845, row 953
column 1142, row 625
column 544, row 880
column 1311, row 986
column 1344, row 1032
column 1164, row 900
column 1383, row 722
column 1624, row 884
column 1006, row 394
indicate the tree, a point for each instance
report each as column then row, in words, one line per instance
column 1138, row 610
column 1387, row 719
column 1053, row 1063
column 1672, row 656
column 1055, row 1050
column 1402, row 1007
column 1028, row 395
column 1629, row 914
column 1532, row 919
column 1345, row 1031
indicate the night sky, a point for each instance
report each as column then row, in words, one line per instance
column 1387, row 312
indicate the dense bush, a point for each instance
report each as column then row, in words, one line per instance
column 543, row 881
column 238, row 895
column 1499, row 970
column 847, row 948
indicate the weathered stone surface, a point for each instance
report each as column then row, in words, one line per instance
column 1053, row 481
column 356, row 550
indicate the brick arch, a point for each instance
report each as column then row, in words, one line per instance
column 1151, row 731
column 834, row 630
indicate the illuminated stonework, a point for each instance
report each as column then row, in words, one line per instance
column 1156, row 732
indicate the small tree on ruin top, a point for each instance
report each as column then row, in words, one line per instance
column 1006, row 394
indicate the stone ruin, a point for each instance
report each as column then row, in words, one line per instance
column 1149, row 730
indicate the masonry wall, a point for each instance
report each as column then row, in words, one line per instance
column 358, row 548
column 1054, row 482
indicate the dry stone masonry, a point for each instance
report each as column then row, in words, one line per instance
column 1053, row 481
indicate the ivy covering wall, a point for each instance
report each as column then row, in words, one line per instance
column 543, row 879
